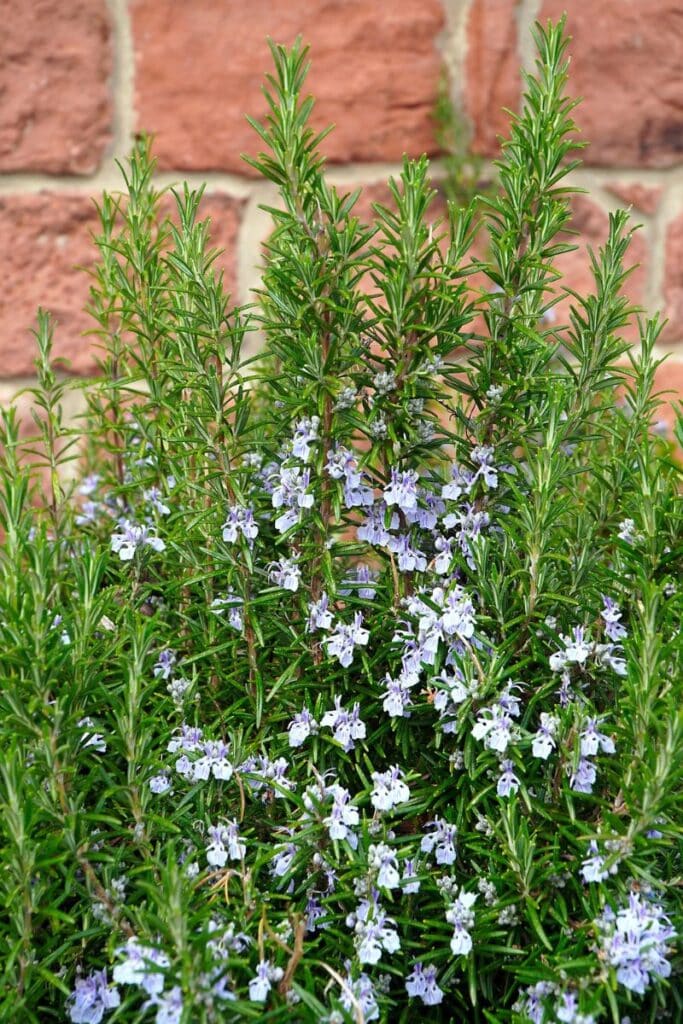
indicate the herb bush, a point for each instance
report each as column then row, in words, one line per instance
column 346, row 683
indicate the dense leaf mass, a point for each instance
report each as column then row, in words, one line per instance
column 346, row 681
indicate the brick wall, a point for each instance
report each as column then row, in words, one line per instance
column 79, row 77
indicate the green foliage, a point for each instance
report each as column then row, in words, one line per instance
column 424, row 502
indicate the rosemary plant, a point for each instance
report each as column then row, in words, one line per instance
column 345, row 682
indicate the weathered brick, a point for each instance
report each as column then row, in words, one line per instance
column 49, row 236
column 644, row 198
column 627, row 64
column 669, row 383
column 200, row 67
column 55, row 65
column 673, row 281
column 492, row 79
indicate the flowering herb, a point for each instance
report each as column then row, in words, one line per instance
column 347, row 683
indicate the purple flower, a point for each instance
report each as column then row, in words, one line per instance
column 593, row 867
column 635, row 941
column 240, row 520
column 396, row 697
column 627, row 532
column 164, row 664
column 305, row 434
column 343, row 816
column 153, row 497
column 319, row 615
column 346, row 725
column 362, row 579
column 441, row 841
column 532, row 1005
column 159, row 784
column 345, row 638
column 375, row 932
column 389, row 790
column 382, row 859
column 410, row 883
column 234, row 605
column 567, row 1010
column 91, row 997
column 142, row 965
column 285, row 573
column 421, row 983
column 373, row 530
column 442, row 562
column 225, row 843
column 261, row 984
column 267, row 776
column 402, row 490
column 292, row 494
column 508, row 781
column 282, row 859
column 169, row 1006
column 577, row 648
column 544, row 740
column 461, row 916
column 461, row 482
column 482, row 456
column 494, row 727
column 409, row 558
column 611, row 615
column 301, row 727
column 360, row 993
column 89, row 484
column 314, row 912
column 591, row 740
column 130, row 537
column 583, row 779
column 88, row 513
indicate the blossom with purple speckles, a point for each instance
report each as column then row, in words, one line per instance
column 305, row 434
column 342, row 642
column 345, row 725
column 421, row 983
column 91, row 997
column 440, row 841
column 544, row 740
column 285, row 573
column 508, row 782
column 635, row 940
column 389, row 790
column 225, row 843
column 261, row 984
column 131, row 537
column 461, row 916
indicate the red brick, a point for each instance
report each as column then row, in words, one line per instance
column 627, row 64
column 492, row 78
column 50, row 235
column 673, row 281
column 55, row 66
column 669, row 381
column 200, row 68
column 644, row 198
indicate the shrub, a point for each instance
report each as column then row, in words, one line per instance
column 348, row 679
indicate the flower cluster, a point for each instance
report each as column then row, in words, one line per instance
column 635, row 941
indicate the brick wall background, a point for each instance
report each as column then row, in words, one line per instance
column 79, row 77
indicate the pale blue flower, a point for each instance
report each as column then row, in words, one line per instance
column 91, row 997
